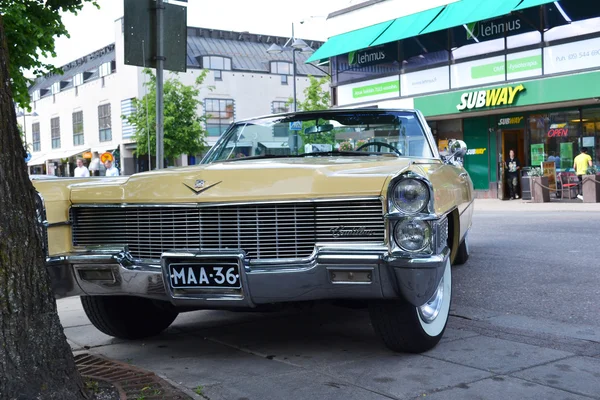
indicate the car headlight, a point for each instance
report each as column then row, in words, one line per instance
column 412, row 234
column 410, row 195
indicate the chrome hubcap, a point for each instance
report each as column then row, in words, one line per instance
column 430, row 310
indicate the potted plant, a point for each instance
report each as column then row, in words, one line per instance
column 591, row 186
column 345, row 146
column 540, row 192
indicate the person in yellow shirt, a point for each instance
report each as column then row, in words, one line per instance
column 581, row 163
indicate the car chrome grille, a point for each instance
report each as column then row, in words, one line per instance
column 263, row 231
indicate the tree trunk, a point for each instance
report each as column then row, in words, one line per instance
column 35, row 360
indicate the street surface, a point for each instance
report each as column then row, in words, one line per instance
column 525, row 324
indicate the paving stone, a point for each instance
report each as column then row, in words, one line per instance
column 451, row 334
column 305, row 385
column 577, row 375
column 502, row 388
column 494, row 355
column 202, row 363
column 404, row 375
column 88, row 336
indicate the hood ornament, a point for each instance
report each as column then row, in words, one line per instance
column 200, row 186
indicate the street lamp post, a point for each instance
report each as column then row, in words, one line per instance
column 294, row 45
column 24, row 115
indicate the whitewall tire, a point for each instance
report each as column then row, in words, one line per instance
column 406, row 328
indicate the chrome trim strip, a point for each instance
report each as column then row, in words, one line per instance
column 207, row 204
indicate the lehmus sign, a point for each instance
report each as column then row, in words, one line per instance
column 489, row 98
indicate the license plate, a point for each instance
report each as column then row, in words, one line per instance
column 185, row 275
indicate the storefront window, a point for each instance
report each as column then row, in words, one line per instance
column 554, row 137
column 591, row 132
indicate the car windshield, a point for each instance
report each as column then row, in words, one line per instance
column 324, row 133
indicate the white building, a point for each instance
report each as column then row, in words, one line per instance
column 80, row 112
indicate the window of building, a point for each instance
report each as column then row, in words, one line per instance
column 279, row 107
column 219, row 114
column 105, row 69
column 555, row 135
column 216, row 62
column 284, row 79
column 36, row 95
column 35, row 135
column 55, row 87
column 281, row 67
column 55, row 132
column 104, row 123
column 218, row 75
column 78, row 80
column 78, row 128
column 591, row 133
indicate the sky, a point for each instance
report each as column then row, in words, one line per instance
column 93, row 29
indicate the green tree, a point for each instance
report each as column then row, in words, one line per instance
column 31, row 26
column 316, row 97
column 36, row 361
column 183, row 127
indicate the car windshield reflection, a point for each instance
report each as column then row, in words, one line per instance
column 324, row 133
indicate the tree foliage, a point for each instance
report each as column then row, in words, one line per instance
column 183, row 127
column 31, row 28
column 315, row 96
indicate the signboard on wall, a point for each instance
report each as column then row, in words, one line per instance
column 538, row 154
column 430, row 80
column 375, row 89
column 572, row 56
column 383, row 54
column 502, row 96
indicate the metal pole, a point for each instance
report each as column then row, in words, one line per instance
column 159, row 84
column 294, row 65
column 146, row 97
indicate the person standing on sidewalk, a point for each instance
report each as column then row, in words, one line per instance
column 81, row 170
column 512, row 166
column 580, row 164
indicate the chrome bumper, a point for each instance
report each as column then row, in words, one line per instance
column 331, row 273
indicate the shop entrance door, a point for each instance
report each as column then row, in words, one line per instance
column 512, row 139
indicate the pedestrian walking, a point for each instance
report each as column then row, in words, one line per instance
column 81, row 170
column 580, row 164
column 512, row 166
column 110, row 170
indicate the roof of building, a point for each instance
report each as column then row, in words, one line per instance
column 248, row 52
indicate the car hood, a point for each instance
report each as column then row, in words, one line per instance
column 248, row 180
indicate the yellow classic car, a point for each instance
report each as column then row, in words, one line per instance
column 354, row 205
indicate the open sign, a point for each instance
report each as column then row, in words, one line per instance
column 559, row 132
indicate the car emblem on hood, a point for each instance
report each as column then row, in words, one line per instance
column 200, row 186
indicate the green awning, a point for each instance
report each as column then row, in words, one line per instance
column 408, row 26
column 468, row 11
column 349, row 41
column 532, row 3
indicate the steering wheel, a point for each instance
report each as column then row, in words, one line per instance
column 379, row 145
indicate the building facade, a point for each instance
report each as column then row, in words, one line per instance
column 517, row 74
column 80, row 113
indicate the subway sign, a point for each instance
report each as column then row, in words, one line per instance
column 489, row 98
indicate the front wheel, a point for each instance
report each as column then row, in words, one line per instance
column 406, row 328
column 128, row 317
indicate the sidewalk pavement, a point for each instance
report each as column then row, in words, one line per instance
column 554, row 205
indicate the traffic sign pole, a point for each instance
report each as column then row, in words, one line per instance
column 159, row 84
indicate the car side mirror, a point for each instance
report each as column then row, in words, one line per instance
column 457, row 148
column 456, row 151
